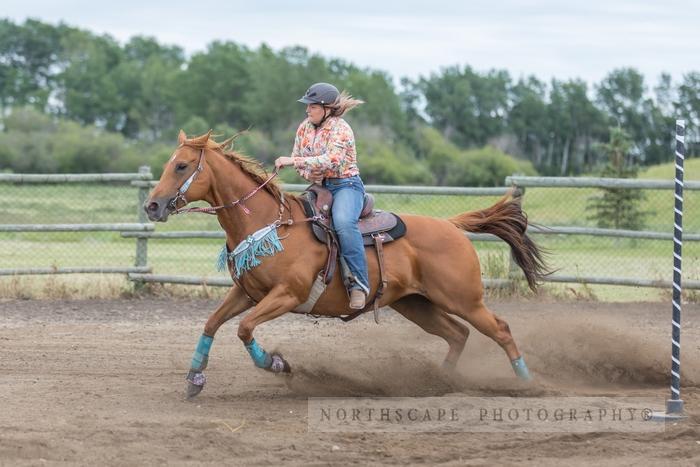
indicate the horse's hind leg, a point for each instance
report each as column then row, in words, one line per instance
column 476, row 314
column 435, row 321
column 235, row 302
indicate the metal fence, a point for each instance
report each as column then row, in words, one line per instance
column 583, row 252
column 71, row 223
column 94, row 223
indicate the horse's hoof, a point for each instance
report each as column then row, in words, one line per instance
column 195, row 383
column 193, row 390
column 279, row 365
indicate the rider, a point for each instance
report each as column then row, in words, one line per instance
column 324, row 150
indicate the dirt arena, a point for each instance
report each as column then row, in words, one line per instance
column 102, row 383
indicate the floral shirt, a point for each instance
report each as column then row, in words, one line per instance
column 329, row 148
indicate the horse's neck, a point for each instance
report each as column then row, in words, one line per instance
column 229, row 184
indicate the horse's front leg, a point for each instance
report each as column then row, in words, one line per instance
column 278, row 302
column 235, row 303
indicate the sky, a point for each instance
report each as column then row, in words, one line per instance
column 410, row 38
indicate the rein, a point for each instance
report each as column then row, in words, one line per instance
column 212, row 209
column 239, row 202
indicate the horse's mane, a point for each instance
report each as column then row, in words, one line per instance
column 248, row 165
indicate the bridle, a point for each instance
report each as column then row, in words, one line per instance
column 180, row 196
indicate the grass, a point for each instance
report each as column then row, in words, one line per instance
column 91, row 203
column 667, row 171
column 60, row 287
column 94, row 286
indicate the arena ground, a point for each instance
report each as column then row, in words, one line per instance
column 102, row 382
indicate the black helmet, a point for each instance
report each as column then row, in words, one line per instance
column 320, row 93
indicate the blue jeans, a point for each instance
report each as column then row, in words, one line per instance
column 348, row 198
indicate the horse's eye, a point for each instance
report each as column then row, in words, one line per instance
column 180, row 166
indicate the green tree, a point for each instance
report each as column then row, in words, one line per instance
column 149, row 74
column 28, row 55
column 619, row 208
column 574, row 125
column 660, row 120
column 215, row 85
column 623, row 96
column 469, row 108
column 281, row 78
column 528, row 119
column 689, row 108
column 91, row 80
column 382, row 107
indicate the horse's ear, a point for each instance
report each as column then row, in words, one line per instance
column 181, row 138
column 202, row 139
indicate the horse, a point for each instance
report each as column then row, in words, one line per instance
column 433, row 272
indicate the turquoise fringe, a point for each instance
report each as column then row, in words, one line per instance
column 263, row 242
column 223, row 259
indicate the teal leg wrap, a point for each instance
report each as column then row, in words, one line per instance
column 261, row 358
column 520, row 368
column 201, row 353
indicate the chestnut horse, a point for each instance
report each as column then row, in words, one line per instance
column 433, row 271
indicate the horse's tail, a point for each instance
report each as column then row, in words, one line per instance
column 506, row 220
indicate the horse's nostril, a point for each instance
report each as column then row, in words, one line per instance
column 152, row 207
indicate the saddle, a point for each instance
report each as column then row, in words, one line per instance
column 377, row 227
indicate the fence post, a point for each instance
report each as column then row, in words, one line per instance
column 142, row 243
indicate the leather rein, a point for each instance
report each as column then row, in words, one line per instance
column 212, row 209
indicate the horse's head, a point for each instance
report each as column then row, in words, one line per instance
column 186, row 178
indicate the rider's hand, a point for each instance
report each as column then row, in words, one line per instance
column 316, row 176
column 283, row 162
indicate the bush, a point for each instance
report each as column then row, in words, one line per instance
column 382, row 164
column 34, row 143
column 439, row 154
column 486, row 167
column 452, row 166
